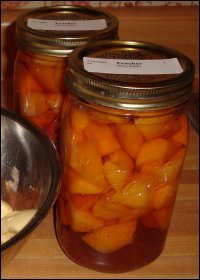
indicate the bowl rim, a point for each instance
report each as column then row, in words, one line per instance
column 55, row 181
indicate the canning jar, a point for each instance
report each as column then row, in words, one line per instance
column 123, row 142
column 45, row 37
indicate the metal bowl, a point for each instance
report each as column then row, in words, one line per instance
column 26, row 149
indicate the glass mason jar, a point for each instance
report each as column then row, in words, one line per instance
column 123, row 142
column 45, row 37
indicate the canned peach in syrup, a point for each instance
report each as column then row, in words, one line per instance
column 45, row 37
column 123, row 143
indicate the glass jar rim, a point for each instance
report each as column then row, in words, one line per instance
column 140, row 92
column 62, row 42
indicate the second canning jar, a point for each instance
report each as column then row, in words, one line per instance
column 45, row 37
column 123, row 142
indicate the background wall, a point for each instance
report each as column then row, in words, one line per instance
column 117, row 4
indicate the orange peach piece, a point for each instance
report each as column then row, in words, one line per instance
column 158, row 218
column 34, row 103
column 164, row 196
column 157, row 150
column 154, row 127
column 110, row 222
column 171, row 127
column 84, row 157
column 151, row 127
column 73, row 136
column 106, row 209
column 151, row 120
column 69, row 140
column 104, row 137
column 123, row 159
column 79, row 185
column 130, row 138
column 59, row 77
column 84, row 201
column 79, row 119
column 169, row 171
column 118, row 168
column 32, row 99
column 111, row 238
column 25, row 82
column 83, row 220
column 182, row 135
column 105, row 118
column 43, row 120
column 51, row 61
column 116, row 176
column 55, row 101
column 137, row 193
column 135, row 214
column 44, row 75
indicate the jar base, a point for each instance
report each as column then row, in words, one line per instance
column 147, row 246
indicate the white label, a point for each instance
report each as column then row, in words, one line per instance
column 132, row 67
column 67, row 25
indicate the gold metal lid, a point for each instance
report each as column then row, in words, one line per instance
column 138, row 91
column 61, row 42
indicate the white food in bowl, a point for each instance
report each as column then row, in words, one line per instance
column 13, row 221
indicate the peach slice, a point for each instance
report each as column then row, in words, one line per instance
column 137, row 193
column 44, row 75
column 41, row 65
column 79, row 119
column 158, row 218
column 107, row 209
column 104, row 137
column 151, row 127
column 79, row 185
column 59, row 77
column 105, row 118
column 151, row 120
column 83, row 220
column 45, row 60
column 116, row 176
column 171, row 127
column 49, row 74
column 157, row 150
column 118, row 168
column 169, row 171
column 110, row 222
column 44, row 120
column 182, row 135
column 84, row 157
column 84, row 201
column 111, row 238
column 25, row 83
column 154, row 127
column 55, row 101
column 121, row 158
column 164, row 196
column 130, row 138
column 135, row 214
column 34, row 103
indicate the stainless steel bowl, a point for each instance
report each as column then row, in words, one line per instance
column 25, row 147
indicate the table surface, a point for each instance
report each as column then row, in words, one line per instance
column 42, row 258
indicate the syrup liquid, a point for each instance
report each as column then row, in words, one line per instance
column 146, row 247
